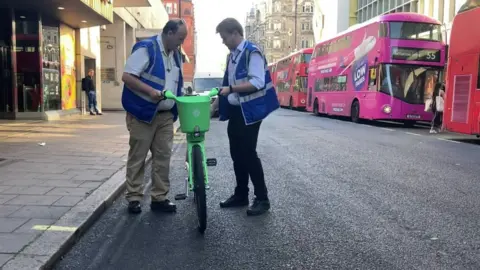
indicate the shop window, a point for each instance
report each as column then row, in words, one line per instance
column 51, row 68
column 29, row 92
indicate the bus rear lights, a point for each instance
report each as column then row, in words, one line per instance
column 387, row 109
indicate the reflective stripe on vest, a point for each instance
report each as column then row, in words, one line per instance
column 257, row 94
column 152, row 78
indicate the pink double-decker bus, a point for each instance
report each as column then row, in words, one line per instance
column 383, row 69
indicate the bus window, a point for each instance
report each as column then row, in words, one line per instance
column 306, row 57
column 383, row 31
column 469, row 4
column 372, row 80
column 478, row 76
column 408, row 83
column 342, row 83
column 301, row 84
column 415, row 31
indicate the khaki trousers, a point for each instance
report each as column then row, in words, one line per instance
column 158, row 138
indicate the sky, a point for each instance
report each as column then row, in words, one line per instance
column 211, row 52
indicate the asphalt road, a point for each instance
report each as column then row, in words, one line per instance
column 344, row 196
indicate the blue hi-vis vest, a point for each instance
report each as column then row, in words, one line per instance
column 256, row 105
column 140, row 105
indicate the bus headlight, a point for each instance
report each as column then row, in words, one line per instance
column 302, row 101
column 387, row 109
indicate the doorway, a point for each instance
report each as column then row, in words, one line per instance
column 7, row 109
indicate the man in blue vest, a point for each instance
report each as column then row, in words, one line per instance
column 248, row 97
column 154, row 66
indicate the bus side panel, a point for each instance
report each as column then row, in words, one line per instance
column 459, row 105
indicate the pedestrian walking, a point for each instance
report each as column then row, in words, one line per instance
column 154, row 66
column 437, row 108
column 247, row 98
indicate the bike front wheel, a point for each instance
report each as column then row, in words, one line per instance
column 199, row 188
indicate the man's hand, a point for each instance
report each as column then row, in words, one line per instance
column 156, row 95
column 225, row 91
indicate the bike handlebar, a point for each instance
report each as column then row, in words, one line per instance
column 169, row 95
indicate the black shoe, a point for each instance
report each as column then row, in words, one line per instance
column 91, row 113
column 234, row 201
column 134, row 207
column 99, row 113
column 163, row 206
column 258, row 207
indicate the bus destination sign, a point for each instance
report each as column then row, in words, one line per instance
column 415, row 54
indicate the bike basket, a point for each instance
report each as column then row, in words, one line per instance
column 194, row 111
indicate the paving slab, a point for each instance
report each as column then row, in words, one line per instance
column 56, row 178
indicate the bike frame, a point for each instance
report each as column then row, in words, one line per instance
column 194, row 139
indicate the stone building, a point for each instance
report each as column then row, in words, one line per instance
column 281, row 27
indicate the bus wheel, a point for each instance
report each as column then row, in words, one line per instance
column 315, row 107
column 290, row 104
column 355, row 111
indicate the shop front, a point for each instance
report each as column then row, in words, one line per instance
column 37, row 57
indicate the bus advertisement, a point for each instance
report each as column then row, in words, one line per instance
column 291, row 79
column 462, row 98
column 383, row 69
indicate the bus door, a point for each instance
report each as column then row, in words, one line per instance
column 461, row 88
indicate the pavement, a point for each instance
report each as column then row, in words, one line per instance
column 343, row 195
column 56, row 178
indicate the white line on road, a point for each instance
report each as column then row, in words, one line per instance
column 446, row 140
column 387, row 129
column 414, row 134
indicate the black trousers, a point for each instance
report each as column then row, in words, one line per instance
column 243, row 150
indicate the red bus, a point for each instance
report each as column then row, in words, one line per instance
column 462, row 99
column 291, row 79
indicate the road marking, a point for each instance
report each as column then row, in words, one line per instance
column 387, row 129
column 446, row 140
column 414, row 134
column 54, row 228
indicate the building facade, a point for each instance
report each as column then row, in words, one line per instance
column 442, row 10
column 288, row 27
column 43, row 46
column 255, row 25
column 332, row 17
column 133, row 20
column 185, row 9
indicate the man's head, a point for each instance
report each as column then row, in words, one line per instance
column 231, row 32
column 174, row 33
column 91, row 72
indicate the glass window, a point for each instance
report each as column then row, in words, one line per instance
column 51, row 68
column 306, row 57
column 415, row 31
column 301, row 84
column 205, row 84
column 469, row 4
column 412, row 84
column 28, row 61
column 6, row 89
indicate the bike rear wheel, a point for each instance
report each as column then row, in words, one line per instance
column 199, row 187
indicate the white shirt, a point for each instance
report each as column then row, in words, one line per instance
column 138, row 61
column 256, row 71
